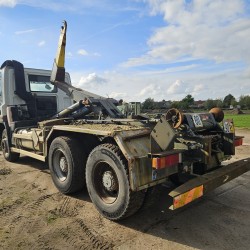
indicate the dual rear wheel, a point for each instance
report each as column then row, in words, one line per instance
column 106, row 176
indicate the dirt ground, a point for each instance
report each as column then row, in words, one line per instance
column 34, row 215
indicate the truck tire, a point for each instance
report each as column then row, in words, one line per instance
column 108, row 184
column 67, row 163
column 8, row 155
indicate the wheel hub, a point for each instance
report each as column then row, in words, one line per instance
column 63, row 165
column 109, row 181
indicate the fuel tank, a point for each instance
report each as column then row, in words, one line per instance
column 29, row 139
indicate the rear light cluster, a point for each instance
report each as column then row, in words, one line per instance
column 166, row 161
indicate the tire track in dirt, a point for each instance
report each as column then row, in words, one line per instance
column 76, row 235
column 35, row 205
column 43, row 243
column 45, row 221
column 10, row 206
column 69, row 208
column 86, row 238
column 27, row 217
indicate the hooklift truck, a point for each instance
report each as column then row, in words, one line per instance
column 119, row 159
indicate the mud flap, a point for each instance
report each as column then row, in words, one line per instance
column 197, row 187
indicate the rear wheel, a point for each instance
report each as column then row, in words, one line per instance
column 8, row 155
column 108, row 184
column 67, row 164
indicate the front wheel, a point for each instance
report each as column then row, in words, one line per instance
column 108, row 184
column 67, row 164
column 8, row 155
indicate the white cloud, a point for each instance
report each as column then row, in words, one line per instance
column 169, row 70
column 41, row 43
column 141, row 85
column 214, row 30
column 118, row 95
column 151, row 90
column 176, row 87
column 92, row 82
column 82, row 52
column 198, row 87
column 8, row 3
column 21, row 32
column 144, row 59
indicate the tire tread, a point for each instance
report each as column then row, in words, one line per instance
column 78, row 173
column 135, row 198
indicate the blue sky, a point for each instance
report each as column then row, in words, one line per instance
column 135, row 49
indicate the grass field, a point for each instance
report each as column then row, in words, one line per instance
column 240, row 121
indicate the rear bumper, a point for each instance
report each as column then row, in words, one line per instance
column 200, row 185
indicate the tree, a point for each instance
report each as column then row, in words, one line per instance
column 186, row 102
column 244, row 101
column 175, row 104
column 149, row 103
column 228, row 100
column 210, row 103
column 219, row 103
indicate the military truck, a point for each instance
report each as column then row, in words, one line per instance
column 92, row 144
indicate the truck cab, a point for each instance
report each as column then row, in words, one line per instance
column 26, row 94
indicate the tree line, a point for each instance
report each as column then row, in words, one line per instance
column 188, row 102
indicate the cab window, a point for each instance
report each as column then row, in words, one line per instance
column 41, row 84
